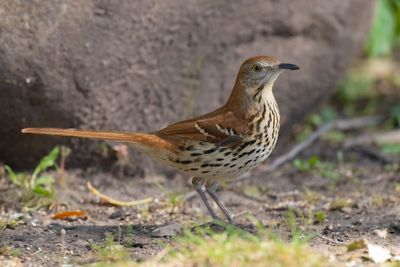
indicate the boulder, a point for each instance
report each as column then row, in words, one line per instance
column 140, row 65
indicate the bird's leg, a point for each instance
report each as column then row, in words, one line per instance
column 198, row 186
column 211, row 189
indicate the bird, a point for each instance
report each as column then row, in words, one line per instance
column 217, row 146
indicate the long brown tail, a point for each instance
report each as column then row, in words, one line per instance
column 149, row 140
column 115, row 136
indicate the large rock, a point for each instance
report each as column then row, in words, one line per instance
column 139, row 65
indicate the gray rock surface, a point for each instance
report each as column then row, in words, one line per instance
column 139, row 65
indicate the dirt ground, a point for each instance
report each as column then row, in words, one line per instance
column 360, row 204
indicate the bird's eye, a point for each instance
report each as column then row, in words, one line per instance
column 256, row 68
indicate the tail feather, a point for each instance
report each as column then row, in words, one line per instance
column 143, row 139
column 115, row 136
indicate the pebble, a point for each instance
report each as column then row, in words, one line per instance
column 168, row 230
column 117, row 214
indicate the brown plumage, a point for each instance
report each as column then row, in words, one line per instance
column 219, row 145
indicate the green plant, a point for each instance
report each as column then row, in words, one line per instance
column 320, row 216
column 306, row 165
column 356, row 86
column 9, row 224
column 315, row 166
column 175, row 199
column 37, row 188
column 385, row 32
column 390, row 149
column 326, row 115
column 383, row 38
column 8, row 251
column 395, row 115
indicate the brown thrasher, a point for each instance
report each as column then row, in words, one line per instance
column 219, row 145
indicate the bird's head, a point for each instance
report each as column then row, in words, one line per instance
column 255, row 80
column 257, row 72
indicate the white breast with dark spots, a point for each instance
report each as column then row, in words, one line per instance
column 208, row 160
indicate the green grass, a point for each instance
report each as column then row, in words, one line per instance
column 233, row 247
column 175, row 199
column 109, row 251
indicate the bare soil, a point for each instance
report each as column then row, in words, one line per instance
column 364, row 200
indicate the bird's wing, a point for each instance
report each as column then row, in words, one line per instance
column 221, row 127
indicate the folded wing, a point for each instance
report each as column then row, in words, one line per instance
column 221, row 127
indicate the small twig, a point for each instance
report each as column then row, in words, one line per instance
column 377, row 179
column 345, row 124
column 241, row 213
column 189, row 195
column 114, row 202
column 299, row 147
column 390, row 137
column 63, row 235
column 373, row 154
column 286, row 205
column 119, row 235
column 64, row 153
column 357, row 123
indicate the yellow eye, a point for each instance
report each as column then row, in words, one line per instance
column 256, row 68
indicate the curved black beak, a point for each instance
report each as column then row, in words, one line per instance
column 288, row 66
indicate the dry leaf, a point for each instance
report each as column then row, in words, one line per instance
column 355, row 245
column 72, row 214
column 378, row 254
